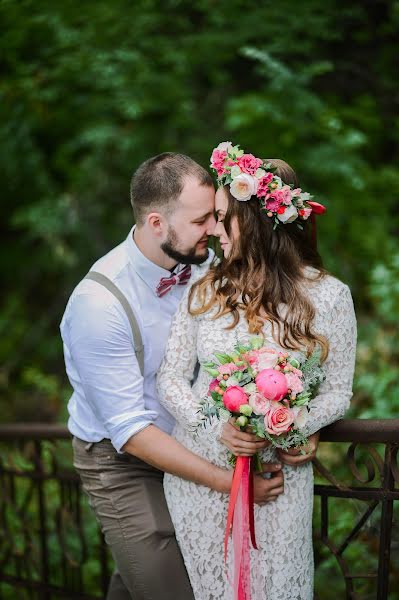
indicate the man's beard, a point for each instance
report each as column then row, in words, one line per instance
column 190, row 257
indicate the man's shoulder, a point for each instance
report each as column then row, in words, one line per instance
column 94, row 297
column 112, row 263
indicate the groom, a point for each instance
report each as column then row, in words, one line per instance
column 122, row 442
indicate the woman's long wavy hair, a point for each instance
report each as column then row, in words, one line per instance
column 263, row 276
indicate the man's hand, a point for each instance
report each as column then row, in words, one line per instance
column 239, row 442
column 267, row 490
column 293, row 456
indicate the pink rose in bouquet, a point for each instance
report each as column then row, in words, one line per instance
column 234, row 397
column 213, row 385
column 228, row 368
column 272, row 384
column 294, row 382
column 267, row 358
column 279, row 419
column 258, row 403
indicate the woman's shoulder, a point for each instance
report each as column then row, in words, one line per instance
column 323, row 286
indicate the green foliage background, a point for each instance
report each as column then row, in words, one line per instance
column 90, row 90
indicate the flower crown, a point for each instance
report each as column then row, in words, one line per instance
column 250, row 176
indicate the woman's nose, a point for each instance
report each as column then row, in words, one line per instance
column 211, row 226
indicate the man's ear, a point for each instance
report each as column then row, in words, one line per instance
column 157, row 224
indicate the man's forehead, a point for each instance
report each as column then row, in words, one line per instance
column 198, row 199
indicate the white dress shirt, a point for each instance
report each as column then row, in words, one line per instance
column 110, row 397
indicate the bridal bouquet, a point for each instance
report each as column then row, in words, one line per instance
column 266, row 390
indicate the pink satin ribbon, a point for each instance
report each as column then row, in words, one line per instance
column 240, row 518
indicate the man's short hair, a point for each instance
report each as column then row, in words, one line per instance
column 159, row 181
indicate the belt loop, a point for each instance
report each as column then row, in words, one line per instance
column 89, row 446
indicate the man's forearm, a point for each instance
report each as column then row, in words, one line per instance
column 162, row 451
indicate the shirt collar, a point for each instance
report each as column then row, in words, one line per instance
column 148, row 271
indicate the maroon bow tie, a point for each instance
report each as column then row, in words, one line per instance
column 166, row 283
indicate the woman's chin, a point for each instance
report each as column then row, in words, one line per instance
column 226, row 251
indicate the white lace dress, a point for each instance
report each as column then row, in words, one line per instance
column 282, row 567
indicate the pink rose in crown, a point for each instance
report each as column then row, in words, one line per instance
column 258, row 403
column 213, row 385
column 294, row 383
column 272, row 384
column 286, row 195
column 263, row 187
column 305, row 212
column 234, row 397
column 279, row 419
column 218, row 161
column 248, row 163
column 272, row 205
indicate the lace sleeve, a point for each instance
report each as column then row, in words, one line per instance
column 174, row 381
column 335, row 393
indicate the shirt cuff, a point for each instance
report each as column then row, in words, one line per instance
column 130, row 428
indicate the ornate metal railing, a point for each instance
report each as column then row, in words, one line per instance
column 51, row 546
column 364, row 473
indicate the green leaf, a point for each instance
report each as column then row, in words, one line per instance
column 223, row 358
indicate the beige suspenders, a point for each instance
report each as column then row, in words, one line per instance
column 111, row 287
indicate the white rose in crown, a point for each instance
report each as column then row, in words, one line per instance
column 243, row 187
column 227, row 146
column 289, row 215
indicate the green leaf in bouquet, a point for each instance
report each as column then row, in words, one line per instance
column 249, row 387
column 241, row 349
column 240, row 363
column 256, row 342
column 213, row 372
column 294, row 362
column 210, row 364
column 223, row 358
column 224, row 414
column 216, row 397
column 313, row 373
column 233, row 380
column 302, row 399
column 245, row 379
column 257, row 424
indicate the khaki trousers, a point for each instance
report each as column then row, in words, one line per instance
column 127, row 497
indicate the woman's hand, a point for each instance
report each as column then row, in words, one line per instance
column 241, row 443
column 293, row 456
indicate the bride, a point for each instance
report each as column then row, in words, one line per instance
column 271, row 283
